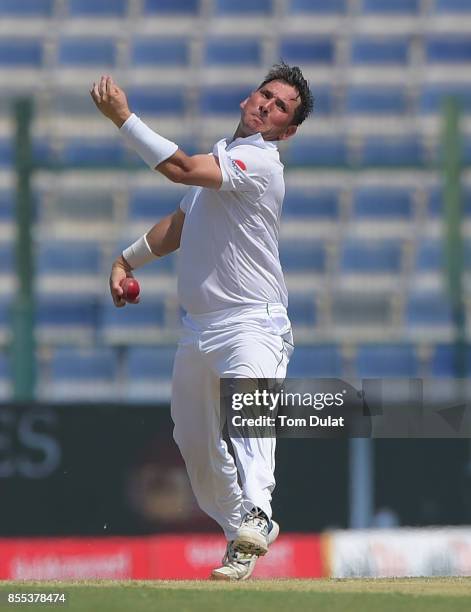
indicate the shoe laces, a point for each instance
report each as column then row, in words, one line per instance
column 234, row 557
column 257, row 518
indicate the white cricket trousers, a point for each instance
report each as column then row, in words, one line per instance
column 243, row 342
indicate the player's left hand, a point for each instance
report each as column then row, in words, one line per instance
column 110, row 100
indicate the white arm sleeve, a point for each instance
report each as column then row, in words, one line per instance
column 150, row 146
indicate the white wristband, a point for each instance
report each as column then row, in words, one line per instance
column 153, row 149
column 139, row 253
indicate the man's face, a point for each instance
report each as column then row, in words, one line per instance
column 270, row 111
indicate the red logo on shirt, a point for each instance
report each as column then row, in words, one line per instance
column 241, row 164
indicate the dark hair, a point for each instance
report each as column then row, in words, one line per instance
column 294, row 77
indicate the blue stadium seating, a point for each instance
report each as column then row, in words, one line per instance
column 7, row 206
column 370, row 257
column 164, row 52
column 97, row 8
column 302, row 309
column 58, row 313
column 322, row 361
column 324, row 100
column 428, row 309
column 355, row 308
column 217, row 100
column 150, row 363
column 170, row 7
column 150, row 205
column 307, row 50
column 162, row 101
column 26, row 8
column 227, row 52
column 94, row 153
column 69, row 363
column 302, row 256
column 253, row 7
column 393, row 151
column 432, row 96
column 317, row 204
column 317, row 7
column 430, row 255
column 407, row 7
column 386, row 361
column 376, row 100
column 384, row 50
column 381, row 202
column 147, row 314
column 86, row 52
column 452, row 6
column 443, row 363
column 7, row 257
column 448, row 49
column 21, row 53
column 68, row 258
column 317, row 151
column 6, row 153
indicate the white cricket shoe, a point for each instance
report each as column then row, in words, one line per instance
column 238, row 565
column 252, row 535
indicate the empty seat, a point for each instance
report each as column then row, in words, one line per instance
column 452, row 6
column 87, row 52
column 149, row 373
column 94, row 152
column 393, row 151
column 307, row 50
column 150, row 205
column 357, row 308
column 7, row 206
column 7, row 258
column 449, row 49
column 302, row 309
column 302, row 256
column 6, row 153
column 26, row 8
column 317, row 7
column 444, row 362
column 162, row 101
column 370, row 257
column 170, row 7
column 433, row 96
column 320, row 204
column 428, row 308
column 317, row 151
column 324, row 100
column 219, row 100
column 381, row 202
column 20, row 53
column 165, row 52
column 407, row 7
column 253, row 7
column 376, row 100
column 384, row 361
column 95, row 8
column 315, row 362
column 133, row 324
column 68, row 258
column 228, row 52
column 430, row 256
column 63, row 320
column 380, row 50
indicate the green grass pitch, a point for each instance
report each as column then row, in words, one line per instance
column 357, row 595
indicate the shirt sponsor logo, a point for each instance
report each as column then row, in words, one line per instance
column 240, row 163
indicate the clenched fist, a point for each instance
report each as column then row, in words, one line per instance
column 111, row 100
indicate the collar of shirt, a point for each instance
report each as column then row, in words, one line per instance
column 254, row 139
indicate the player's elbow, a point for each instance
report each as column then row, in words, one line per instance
column 180, row 169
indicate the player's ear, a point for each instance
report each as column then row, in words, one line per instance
column 290, row 131
column 244, row 103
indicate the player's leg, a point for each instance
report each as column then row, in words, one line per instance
column 197, row 431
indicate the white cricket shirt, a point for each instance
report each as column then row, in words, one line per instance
column 229, row 244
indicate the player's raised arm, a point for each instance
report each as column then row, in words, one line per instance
column 158, row 152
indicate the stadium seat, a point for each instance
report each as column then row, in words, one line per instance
column 393, row 151
column 430, row 256
column 382, row 202
column 319, row 204
column 380, row 50
column 449, row 49
column 253, row 7
column 97, row 8
column 425, row 309
column 436, row 205
column 20, row 53
column 324, row 100
column 149, row 373
column 7, row 258
column 315, row 362
column 6, row 153
column 407, row 7
column 386, row 361
column 369, row 257
column 307, row 50
column 170, row 7
column 133, row 324
column 433, row 96
column 7, row 206
column 163, row 52
column 26, row 8
column 220, row 101
column 302, row 309
column 317, row 7
column 162, row 101
column 150, row 205
column 302, row 256
column 356, row 308
column 376, row 100
column 94, row 153
column 317, row 151
column 64, row 319
column 452, row 6
column 68, row 258
column 86, row 52
column 228, row 52
column 443, row 362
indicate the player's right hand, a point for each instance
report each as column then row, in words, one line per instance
column 119, row 271
column 110, row 100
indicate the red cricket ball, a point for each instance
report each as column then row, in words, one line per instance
column 130, row 289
